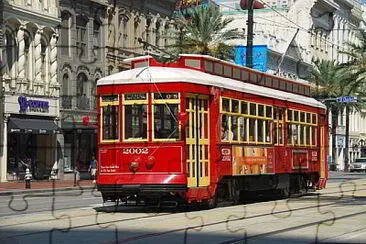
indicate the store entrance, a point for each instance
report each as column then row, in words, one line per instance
column 33, row 151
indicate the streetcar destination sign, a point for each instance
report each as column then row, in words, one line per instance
column 346, row 99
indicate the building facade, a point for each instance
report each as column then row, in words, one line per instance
column 30, row 88
column 131, row 20
column 95, row 36
column 300, row 32
column 81, row 63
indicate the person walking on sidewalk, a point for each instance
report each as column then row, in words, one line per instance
column 93, row 168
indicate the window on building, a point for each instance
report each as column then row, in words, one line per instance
column 81, row 36
column 166, row 33
column 157, row 34
column 27, row 57
column 44, row 59
column 65, row 33
column 96, row 38
column 10, row 51
column 81, row 92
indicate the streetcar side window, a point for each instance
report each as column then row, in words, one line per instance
column 243, row 121
column 109, row 118
column 135, row 110
column 301, row 128
column 165, row 116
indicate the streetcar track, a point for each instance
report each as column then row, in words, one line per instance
column 166, row 214
column 134, row 218
column 150, row 235
column 290, row 228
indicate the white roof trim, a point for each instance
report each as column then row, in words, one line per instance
column 166, row 75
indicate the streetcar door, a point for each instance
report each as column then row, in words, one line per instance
column 197, row 139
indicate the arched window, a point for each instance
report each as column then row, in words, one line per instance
column 65, row 85
column 66, row 98
column 82, row 99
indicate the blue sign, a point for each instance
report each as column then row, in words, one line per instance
column 260, row 57
column 32, row 105
column 346, row 99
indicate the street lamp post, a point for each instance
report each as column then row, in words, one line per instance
column 250, row 5
column 346, row 153
column 249, row 54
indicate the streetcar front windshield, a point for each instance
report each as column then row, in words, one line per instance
column 135, row 116
column 165, row 117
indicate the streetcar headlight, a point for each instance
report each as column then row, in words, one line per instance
column 134, row 166
column 150, row 162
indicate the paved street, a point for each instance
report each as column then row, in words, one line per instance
column 336, row 215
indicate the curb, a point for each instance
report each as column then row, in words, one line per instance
column 46, row 190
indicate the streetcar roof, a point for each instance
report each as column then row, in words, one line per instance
column 157, row 74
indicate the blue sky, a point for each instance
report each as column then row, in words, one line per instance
column 363, row 1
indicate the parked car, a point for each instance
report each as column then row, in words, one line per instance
column 358, row 165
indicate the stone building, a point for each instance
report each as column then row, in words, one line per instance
column 130, row 20
column 95, row 36
column 81, row 63
column 30, row 88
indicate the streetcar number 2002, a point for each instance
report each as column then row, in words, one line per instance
column 135, row 151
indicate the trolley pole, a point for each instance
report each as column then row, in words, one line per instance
column 250, row 22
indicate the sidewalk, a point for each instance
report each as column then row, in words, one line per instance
column 18, row 187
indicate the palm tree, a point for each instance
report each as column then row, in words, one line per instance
column 356, row 65
column 204, row 31
column 332, row 80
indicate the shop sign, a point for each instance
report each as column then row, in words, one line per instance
column 26, row 105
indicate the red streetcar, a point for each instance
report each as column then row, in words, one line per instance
column 200, row 129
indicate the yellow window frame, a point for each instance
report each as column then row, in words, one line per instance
column 247, row 116
column 105, row 104
column 165, row 101
column 133, row 102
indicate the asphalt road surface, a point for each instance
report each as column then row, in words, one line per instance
column 334, row 215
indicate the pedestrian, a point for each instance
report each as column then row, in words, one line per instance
column 93, row 168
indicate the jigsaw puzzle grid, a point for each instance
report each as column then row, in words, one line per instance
column 338, row 202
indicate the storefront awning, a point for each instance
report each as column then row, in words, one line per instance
column 32, row 126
